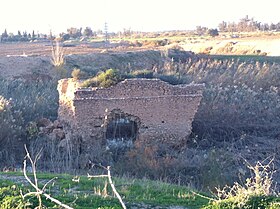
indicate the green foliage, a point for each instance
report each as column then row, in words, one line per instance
column 213, row 32
column 142, row 193
column 254, row 202
column 104, row 79
column 78, row 74
column 112, row 77
column 32, row 129
column 10, row 198
column 142, row 74
column 257, row 192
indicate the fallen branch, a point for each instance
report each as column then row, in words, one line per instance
column 39, row 192
column 111, row 183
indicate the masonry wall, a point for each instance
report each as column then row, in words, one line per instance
column 164, row 112
column 66, row 110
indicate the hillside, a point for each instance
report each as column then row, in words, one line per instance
column 264, row 44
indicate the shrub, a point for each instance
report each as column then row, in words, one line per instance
column 256, row 193
column 242, row 93
column 213, row 32
column 11, row 123
column 78, row 74
column 142, row 74
column 104, row 79
column 10, row 119
column 28, row 102
column 10, row 197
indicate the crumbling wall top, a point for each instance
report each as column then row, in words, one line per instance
column 133, row 88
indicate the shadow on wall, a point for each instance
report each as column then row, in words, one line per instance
column 121, row 130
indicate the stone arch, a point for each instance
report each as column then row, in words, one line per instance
column 121, row 131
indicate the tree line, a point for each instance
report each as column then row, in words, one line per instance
column 20, row 36
column 71, row 33
column 247, row 24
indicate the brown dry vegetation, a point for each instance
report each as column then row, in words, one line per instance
column 238, row 117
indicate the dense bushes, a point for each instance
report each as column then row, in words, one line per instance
column 104, row 79
column 21, row 103
column 112, row 77
column 33, row 99
column 257, row 191
column 10, row 197
column 240, row 96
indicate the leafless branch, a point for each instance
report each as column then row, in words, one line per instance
column 96, row 176
column 111, row 183
column 39, row 192
column 43, row 189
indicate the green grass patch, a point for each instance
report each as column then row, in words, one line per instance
column 97, row 193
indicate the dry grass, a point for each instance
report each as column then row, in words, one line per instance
column 259, row 185
column 57, row 55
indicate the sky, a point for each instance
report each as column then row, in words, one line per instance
column 138, row 15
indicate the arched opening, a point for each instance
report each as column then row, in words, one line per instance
column 121, row 131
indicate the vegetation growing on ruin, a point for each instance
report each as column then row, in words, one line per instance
column 111, row 77
column 104, row 79
column 239, row 113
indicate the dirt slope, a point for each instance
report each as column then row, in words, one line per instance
column 238, row 46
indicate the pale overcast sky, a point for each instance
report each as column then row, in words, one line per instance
column 144, row 15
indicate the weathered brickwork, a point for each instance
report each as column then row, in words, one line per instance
column 159, row 112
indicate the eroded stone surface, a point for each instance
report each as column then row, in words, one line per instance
column 161, row 113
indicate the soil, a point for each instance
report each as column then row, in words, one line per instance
column 24, row 49
column 255, row 45
column 21, row 59
column 18, row 59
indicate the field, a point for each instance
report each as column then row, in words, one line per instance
column 96, row 193
column 242, row 45
column 238, row 120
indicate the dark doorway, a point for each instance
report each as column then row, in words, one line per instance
column 121, row 132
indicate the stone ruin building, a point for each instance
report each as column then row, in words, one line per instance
column 131, row 114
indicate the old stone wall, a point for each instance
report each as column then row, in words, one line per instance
column 162, row 113
column 66, row 110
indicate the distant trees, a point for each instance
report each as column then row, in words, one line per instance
column 33, row 35
column 88, row 32
column 4, row 35
column 19, row 37
column 247, row 24
column 22, row 36
column 201, row 30
column 65, row 36
column 213, row 32
column 74, row 32
column 205, row 31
